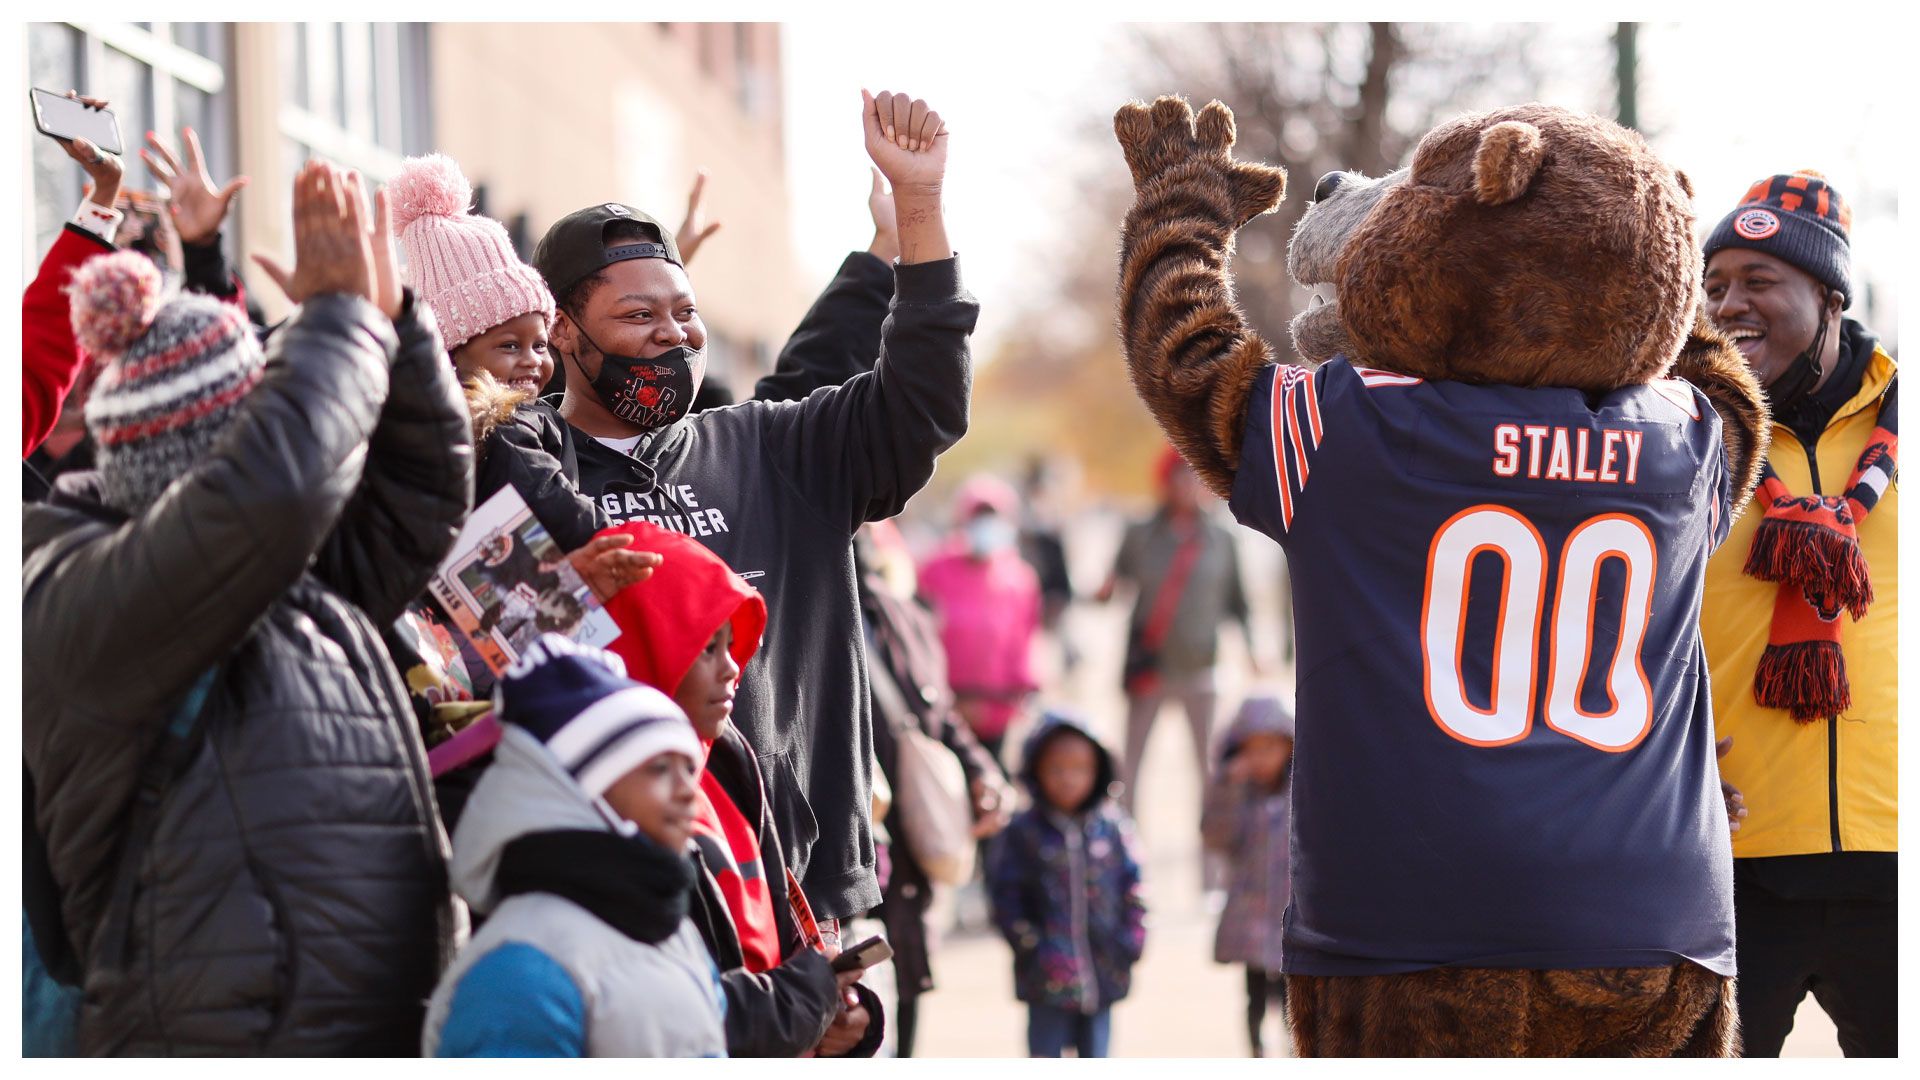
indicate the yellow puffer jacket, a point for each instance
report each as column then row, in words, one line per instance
column 1829, row 785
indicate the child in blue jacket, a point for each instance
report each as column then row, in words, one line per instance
column 1065, row 883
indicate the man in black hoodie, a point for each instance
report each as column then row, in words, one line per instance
column 777, row 489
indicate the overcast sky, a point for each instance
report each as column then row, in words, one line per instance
column 1727, row 103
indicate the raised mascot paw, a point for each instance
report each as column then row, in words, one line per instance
column 1168, row 143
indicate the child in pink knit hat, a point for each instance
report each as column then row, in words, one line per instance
column 493, row 309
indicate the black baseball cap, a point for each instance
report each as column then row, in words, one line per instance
column 576, row 245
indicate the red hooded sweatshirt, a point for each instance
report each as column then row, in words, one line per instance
column 665, row 623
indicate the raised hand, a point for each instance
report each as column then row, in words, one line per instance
column 886, row 228
column 1168, row 137
column 332, row 253
column 908, row 144
column 906, row 139
column 388, row 290
column 694, row 228
column 199, row 206
column 104, row 170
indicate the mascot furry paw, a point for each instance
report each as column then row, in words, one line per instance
column 1509, row 833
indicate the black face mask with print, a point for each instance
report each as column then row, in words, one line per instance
column 647, row 392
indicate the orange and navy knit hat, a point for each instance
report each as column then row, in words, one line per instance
column 1798, row 218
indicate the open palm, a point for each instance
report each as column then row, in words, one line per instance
column 199, row 207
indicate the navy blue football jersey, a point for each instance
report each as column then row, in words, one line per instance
column 1505, row 743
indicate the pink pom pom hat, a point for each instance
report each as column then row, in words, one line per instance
column 460, row 265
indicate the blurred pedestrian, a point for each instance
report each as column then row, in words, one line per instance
column 908, row 673
column 1245, row 819
column 1043, row 544
column 222, row 764
column 1799, row 621
column 806, row 474
column 988, row 602
column 1185, row 572
column 1065, row 880
column 575, row 848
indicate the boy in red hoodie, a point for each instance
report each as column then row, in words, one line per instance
column 688, row 630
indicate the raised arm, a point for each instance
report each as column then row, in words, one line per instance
column 1192, row 355
column 860, row 450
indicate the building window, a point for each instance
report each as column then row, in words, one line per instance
column 158, row 76
column 355, row 94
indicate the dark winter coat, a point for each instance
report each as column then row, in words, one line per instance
column 777, row 490
column 293, row 898
column 903, row 648
column 784, row 1011
column 1066, row 890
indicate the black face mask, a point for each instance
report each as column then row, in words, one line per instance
column 1803, row 374
column 651, row 392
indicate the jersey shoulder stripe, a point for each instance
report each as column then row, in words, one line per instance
column 1374, row 378
column 1297, row 431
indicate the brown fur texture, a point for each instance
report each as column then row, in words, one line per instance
column 1682, row 1010
column 490, row 403
column 1709, row 361
column 1192, row 355
column 1532, row 246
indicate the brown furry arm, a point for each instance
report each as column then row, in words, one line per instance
column 1710, row 362
column 1191, row 354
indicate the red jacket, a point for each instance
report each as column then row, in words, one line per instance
column 50, row 358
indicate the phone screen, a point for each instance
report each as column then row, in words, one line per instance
column 65, row 118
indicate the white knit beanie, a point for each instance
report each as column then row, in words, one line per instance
column 459, row 264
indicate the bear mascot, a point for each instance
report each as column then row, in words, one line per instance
column 1496, row 485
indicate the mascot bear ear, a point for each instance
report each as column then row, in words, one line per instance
column 1506, row 161
column 1685, row 182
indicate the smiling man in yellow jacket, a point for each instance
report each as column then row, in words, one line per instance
column 1800, row 621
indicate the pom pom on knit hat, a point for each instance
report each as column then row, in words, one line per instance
column 430, row 186
column 462, row 265
column 114, row 300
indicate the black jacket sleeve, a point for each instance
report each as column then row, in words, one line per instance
column 205, row 268
column 179, row 586
column 418, row 484
column 516, row 456
column 840, row 336
column 782, row 1012
column 860, row 450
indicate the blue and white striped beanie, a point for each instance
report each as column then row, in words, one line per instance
column 599, row 724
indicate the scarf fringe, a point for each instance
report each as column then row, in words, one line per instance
column 1806, row 554
column 1808, row 678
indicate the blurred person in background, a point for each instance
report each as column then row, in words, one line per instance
column 1185, row 573
column 988, row 602
column 1245, row 820
column 1043, row 544
column 1799, row 621
column 223, row 763
column 908, row 674
column 776, row 489
column 1066, row 883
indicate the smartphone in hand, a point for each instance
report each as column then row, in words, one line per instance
column 62, row 117
column 874, row 950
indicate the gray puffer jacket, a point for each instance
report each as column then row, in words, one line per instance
column 293, row 897
column 1249, row 824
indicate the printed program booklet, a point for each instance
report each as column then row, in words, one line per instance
column 507, row 582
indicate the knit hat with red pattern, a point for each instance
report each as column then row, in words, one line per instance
column 1797, row 218
column 176, row 369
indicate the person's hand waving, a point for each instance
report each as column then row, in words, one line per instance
column 694, row 228
column 199, row 206
column 332, row 246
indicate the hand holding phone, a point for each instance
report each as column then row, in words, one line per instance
column 77, row 124
column 874, row 950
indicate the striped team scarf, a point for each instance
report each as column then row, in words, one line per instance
column 1810, row 545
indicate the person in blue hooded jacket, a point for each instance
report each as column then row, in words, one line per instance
column 1065, row 884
